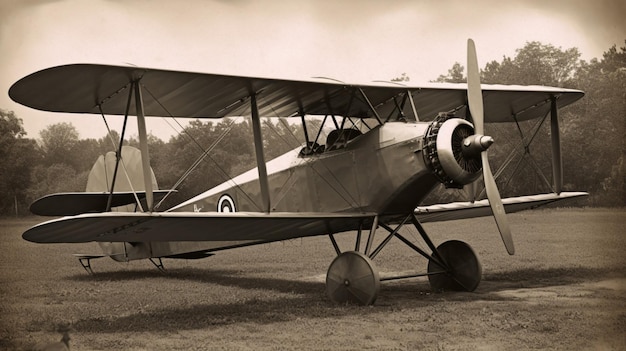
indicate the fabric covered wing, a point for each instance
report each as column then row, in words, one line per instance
column 186, row 226
column 84, row 88
column 464, row 210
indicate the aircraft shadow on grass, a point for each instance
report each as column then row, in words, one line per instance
column 221, row 277
column 306, row 298
column 527, row 278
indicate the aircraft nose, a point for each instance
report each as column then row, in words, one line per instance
column 475, row 144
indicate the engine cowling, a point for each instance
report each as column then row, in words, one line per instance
column 446, row 155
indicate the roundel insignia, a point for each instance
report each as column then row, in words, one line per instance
column 226, row 204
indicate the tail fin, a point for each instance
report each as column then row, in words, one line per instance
column 129, row 175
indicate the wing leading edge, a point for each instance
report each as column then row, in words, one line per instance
column 84, row 88
column 191, row 226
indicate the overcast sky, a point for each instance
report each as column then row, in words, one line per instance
column 353, row 40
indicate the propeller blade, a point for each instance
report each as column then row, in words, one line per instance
column 496, row 205
column 474, row 92
column 475, row 102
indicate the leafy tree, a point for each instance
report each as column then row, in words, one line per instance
column 57, row 143
column 505, row 72
column 535, row 64
column 403, row 78
column 56, row 178
column 455, row 75
column 18, row 156
column 84, row 153
column 595, row 141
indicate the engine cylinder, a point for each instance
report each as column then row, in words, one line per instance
column 443, row 151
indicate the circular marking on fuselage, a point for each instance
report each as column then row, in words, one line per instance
column 226, row 204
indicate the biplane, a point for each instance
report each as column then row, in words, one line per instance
column 389, row 146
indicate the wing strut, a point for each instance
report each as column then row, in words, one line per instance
column 417, row 118
column 118, row 156
column 143, row 146
column 380, row 122
column 260, row 157
column 557, row 162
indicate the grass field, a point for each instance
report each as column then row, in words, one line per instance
column 564, row 289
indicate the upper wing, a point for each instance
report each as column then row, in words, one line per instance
column 84, row 88
column 190, row 226
column 464, row 210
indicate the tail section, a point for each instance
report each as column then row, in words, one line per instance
column 129, row 177
column 128, row 189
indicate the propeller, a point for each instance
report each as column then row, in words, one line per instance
column 475, row 102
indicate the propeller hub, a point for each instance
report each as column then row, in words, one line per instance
column 475, row 144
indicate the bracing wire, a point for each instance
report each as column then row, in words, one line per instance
column 197, row 162
column 204, row 152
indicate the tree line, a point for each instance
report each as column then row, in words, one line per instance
column 592, row 139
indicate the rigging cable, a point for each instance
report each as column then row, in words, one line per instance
column 204, row 152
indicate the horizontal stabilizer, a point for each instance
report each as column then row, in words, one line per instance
column 70, row 204
column 192, row 226
column 464, row 210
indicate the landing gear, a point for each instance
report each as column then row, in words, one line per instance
column 353, row 278
column 463, row 272
column 85, row 261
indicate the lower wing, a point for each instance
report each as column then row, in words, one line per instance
column 247, row 226
column 464, row 210
column 191, row 226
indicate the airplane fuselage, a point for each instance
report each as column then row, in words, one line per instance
column 381, row 171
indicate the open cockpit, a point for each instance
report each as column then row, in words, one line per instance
column 335, row 136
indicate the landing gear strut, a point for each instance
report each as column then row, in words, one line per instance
column 353, row 278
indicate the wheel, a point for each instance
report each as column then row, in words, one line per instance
column 463, row 268
column 352, row 278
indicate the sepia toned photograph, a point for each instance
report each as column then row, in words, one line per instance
column 312, row 175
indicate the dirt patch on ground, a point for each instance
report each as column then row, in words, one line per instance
column 564, row 289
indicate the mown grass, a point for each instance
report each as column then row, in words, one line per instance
column 562, row 290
